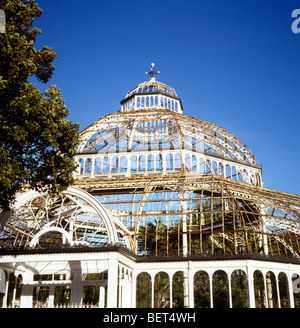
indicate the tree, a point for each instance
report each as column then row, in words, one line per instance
column 37, row 142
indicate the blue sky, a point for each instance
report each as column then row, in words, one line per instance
column 233, row 63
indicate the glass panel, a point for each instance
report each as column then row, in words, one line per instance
column 150, row 162
column 98, row 164
column 169, row 162
column 123, row 164
column 177, row 162
column 158, row 162
column 142, row 163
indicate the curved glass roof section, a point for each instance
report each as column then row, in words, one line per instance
column 161, row 129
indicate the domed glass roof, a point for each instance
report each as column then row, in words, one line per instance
column 150, row 87
column 162, row 129
column 150, row 135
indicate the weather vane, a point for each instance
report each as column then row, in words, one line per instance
column 152, row 72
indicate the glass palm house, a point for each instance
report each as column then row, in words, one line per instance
column 167, row 211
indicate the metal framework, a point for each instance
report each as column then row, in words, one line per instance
column 170, row 184
column 162, row 202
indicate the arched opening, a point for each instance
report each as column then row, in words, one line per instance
column 143, row 290
column 283, row 290
column 177, row 290
column 220, row 289
column 201, row 290
column 271, row 290
column 239, row 289
column 161, row 290
column 259, row 289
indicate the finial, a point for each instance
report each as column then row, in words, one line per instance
column 152, row 72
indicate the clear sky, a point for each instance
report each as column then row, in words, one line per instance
column 235, row 63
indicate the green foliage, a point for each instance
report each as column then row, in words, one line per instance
column 37, row 142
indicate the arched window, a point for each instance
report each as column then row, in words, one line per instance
column 158, row 162
column 81, row 166
column 240, row 177
column 194, row 163
column 133, row 163
column 169, row 163
column 201, row 290
column 98, row 166
column 259, row 289
column 271, row 290
column 221, row 170
column 201, row 165
column 208, row 167
column 150, row 162
column 177, row 290
column 123, row 164
column 106, row 165
column 187, row 163
column 143, row 290
column 177, row 161
column 142, row 163
column 220, row 289
column 257, row 176
column 233, row 176
column 228, row 172
column 161, row 290
column 239, row 289
column 283, row 290
column 115, row 165
column 245, row 176
column 88, row 166
column 214, row 168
